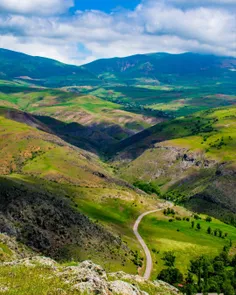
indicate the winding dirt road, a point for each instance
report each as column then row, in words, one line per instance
column 148, row 270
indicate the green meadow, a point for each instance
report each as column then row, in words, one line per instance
column 186, row 242
column 175, row 100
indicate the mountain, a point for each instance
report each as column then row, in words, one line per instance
column 165, row 68
column 191, row 160
column 81, row 164
column 172, row 84
column 42, row 71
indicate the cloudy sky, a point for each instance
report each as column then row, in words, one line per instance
column 79, row 31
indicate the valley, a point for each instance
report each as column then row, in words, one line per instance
column 85, row 152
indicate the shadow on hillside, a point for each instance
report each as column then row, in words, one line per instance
column 96, row 138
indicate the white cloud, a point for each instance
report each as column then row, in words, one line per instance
column 37, row 7
column 153, row 26
column 203, row 2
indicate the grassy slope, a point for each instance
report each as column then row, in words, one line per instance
column 174, row 84
column 174, row 100
column 187, row 157
column 42, row 71
column 43, row 162
column 199, row 131
column 185, row 242
column 70, row 107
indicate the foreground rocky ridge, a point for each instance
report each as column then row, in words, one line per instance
column 84, row 278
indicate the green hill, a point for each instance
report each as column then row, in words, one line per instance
column 163, row 67
column 62, row 200
column 42, row 71
column 172, row 84
column 76, row 115
column 191, row 160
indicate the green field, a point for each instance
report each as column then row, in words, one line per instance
column 69, row 107
column 186, row 242
column 170, row 99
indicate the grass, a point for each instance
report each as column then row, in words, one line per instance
column 43, row 280
column 69, row 107
column 175, row 100
column 179, row 237
column 40, row 160
column 40, row 281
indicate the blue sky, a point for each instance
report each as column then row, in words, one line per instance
column 105, row 5
column 80, row 31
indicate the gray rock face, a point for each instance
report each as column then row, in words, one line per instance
column 88, row 278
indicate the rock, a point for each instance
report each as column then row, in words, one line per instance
column 123, row 288
column 89, row 278
column 34, row 261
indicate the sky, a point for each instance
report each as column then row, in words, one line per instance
column 80, row 31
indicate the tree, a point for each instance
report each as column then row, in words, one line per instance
column 228, row 288
column 233, row 261
column 169, row 259
column 189, row 289
column 171, row 275
column 220, row 233
column 198, row 226
column 209, row 230
column 208, row 219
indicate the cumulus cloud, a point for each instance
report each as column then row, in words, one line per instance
column 151, row 27
column 38, row 7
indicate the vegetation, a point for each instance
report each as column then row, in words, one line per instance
column 149, row 188
column 182, row 241
column 59, row 198
column 180, row 158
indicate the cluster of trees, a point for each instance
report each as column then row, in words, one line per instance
column 169, row 211
column 205, row 275
column 208, row 275
column 148, row 187
column 170, row 274
column 216, row 232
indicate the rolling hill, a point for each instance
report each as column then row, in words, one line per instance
column 165, row 68
column 173, row 84
column 81, row 160
column 42, row 71
column 63, row 201
column 191, row 160
column 75, row 115
column 156, row 84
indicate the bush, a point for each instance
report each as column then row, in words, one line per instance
column 149, row 187
column 169, row 258
column 208, row 219
column 171, row 275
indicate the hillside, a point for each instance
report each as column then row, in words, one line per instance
column 190, row 160
column 46, row 276
column 163, row 67
column 63, row 201
column 171, row 84
column 76, row 115
column 42, row 71
column 154, row 85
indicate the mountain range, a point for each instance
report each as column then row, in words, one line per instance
column 85, row 150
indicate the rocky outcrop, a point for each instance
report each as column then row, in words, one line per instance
column 89, row 278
